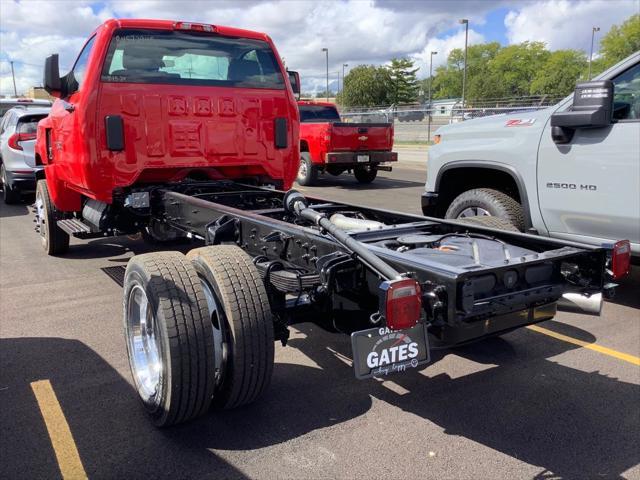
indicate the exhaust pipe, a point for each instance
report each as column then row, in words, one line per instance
column 579, row 303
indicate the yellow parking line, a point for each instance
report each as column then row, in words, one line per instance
column 591, row 346
column 59, row 432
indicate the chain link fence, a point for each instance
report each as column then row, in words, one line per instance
column 417, row 123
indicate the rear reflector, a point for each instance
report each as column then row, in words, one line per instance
column 620, row 259
column 401, row 303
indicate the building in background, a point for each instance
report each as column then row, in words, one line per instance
column 39, row 93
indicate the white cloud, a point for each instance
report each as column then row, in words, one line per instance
column 354, row 31
column 444, row 46
column 563, row 24
column 61, row 17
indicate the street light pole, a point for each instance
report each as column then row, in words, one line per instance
column 326, row 51
column 593, row 33
column 465, row 22
column 430, row 80
column 343, row 66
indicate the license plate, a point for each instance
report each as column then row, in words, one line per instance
column 362, row 158
column 378, row 352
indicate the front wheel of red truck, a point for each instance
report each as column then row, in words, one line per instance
column 307, row 171
column 365, row 174
column 54, row 240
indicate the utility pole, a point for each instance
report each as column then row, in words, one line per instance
column 430, row 80
column 464, row 22
column 593, row 33
column 326, row 51
column 13, row 75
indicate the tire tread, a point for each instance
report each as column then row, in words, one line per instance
column 175, row 284
column 248, row 313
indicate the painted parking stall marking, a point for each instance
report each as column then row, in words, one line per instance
column 59, row 432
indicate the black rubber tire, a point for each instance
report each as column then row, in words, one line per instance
column 247, row 326
column 491, row 222
column 497, row 203
column 174, row 293
column 10, row 195
column 307, row 172
column 365, row 174
column 55, row 241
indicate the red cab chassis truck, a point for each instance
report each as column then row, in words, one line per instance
column 178, row 129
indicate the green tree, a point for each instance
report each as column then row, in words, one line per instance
column 366, row 86
column 620, row 41
column 511, row 71
column 559, row 73
column 447, row 81
column 404, row 85
column 324, row 94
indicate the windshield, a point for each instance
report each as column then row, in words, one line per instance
column 318, row 113
column 183, row 58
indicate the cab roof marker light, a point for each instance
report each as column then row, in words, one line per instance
column 198, row 27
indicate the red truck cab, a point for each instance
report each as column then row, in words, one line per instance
column 329, row 145
column 154, row 102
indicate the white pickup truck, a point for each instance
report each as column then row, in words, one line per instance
column 571, row 171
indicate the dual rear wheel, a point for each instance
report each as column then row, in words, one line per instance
column 199, row 331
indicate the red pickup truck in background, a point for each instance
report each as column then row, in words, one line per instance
column 329, row 145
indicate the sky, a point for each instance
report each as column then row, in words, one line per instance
column 355, row 31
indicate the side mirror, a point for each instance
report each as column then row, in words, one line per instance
column 52, row 82
column 592, row 107
column 294, row 79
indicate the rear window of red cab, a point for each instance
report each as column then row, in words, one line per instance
column 190, row 58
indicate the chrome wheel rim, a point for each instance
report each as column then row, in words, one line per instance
column 473, row 212
column 302, row 170
column 216, row 315
column 144, row 351
column 40, row 221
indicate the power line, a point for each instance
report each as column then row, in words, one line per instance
column 19, row 62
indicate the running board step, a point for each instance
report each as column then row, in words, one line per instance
column 75, row 228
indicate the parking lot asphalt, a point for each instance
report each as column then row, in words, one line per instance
column 525, row 405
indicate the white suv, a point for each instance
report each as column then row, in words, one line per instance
column 17, row 157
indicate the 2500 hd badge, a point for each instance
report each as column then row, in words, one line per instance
column 381, row 351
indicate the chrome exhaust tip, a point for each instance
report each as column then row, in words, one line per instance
column 579, row 303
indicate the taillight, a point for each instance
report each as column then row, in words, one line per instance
column 16, row 138
column 620, row 259
column 401, row 303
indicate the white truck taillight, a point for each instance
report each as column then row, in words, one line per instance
column 620, row 259
column 401, row 303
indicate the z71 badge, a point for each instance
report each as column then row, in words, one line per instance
column 520, row 122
